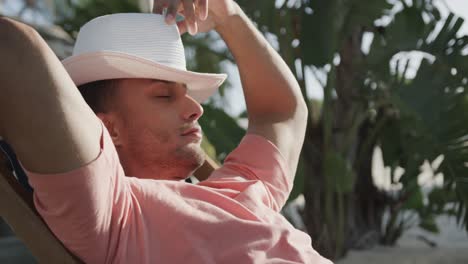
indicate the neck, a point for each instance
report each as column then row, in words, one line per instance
column 154, row 169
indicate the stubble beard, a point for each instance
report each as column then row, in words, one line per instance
column 179, row 163
column 148, row 152
column 190, row 157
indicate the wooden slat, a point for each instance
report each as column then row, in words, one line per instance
column 17, row 209
column 206, row 169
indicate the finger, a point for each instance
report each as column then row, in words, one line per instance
column 158, row 7
column 172, row 12
column 202, row 9
column 182, row 27
column 189, row 12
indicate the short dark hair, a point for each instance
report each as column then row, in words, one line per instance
column 98, row 94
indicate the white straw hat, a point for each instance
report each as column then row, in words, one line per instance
column 135, row 46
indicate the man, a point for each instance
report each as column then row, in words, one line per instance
column 147, row 129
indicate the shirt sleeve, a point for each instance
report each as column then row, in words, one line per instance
column 83, row 207
column 255, row 160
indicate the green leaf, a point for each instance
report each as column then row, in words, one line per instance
column 429, row 224
column 209, row 149
column 221, row 129
column 74, row 14
column 298, row 187
column 391, row 144
column 320, row 37
column 414, row 201
column 338, row 172
column 403, row 34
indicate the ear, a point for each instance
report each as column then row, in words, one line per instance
column 110, row 121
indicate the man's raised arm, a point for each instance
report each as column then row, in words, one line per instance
column 275, row 106
column 42, row 114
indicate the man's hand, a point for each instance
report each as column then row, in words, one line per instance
column 200, row 15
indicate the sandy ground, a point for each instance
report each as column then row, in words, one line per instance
column 452, row 248
column 404, row 255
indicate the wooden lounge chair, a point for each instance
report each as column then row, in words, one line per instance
column 17, row 209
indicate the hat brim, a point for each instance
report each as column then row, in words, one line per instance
column 105, row 65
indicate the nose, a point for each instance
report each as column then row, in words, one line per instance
column 192, row 109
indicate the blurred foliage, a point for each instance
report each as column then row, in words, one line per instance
column 71, row 14
column 426, row 114
column 221, row 129
column 371, row 100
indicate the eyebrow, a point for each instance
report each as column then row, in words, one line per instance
column 168, row 82
column 156, row 87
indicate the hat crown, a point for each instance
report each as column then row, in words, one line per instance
column 142, row 35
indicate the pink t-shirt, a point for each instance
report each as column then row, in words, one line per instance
column 102, row 216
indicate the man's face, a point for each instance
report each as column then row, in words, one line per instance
column 156, row 129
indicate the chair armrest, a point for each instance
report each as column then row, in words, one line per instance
column 206, row 169
column 17, row 209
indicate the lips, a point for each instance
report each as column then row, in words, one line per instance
column 192, row 131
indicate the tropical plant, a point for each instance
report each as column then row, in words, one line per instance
column 368, row 102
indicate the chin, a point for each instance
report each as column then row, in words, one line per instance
column 198, row 161
column 191, row 158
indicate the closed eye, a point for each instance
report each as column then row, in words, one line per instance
column 163, row 96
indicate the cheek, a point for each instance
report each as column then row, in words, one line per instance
column 163, row 137
column 147, row 142
column 149, row 123
column 151, row 131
